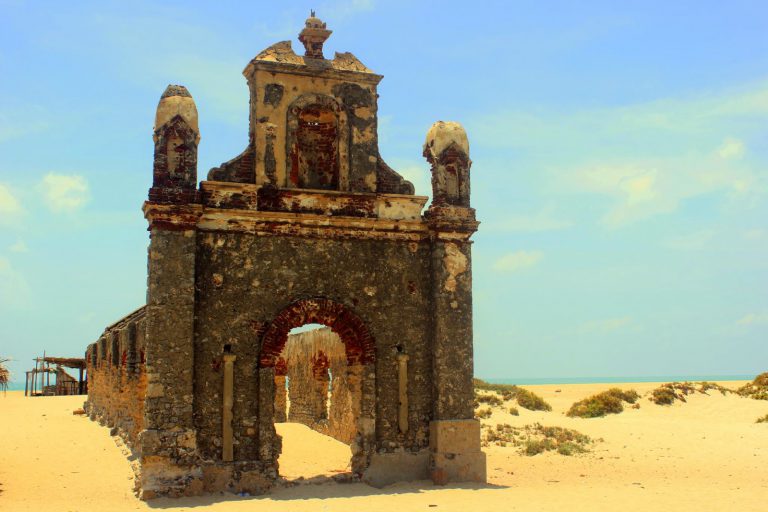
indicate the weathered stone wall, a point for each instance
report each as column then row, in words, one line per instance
column 244, row 281
column 258, row 250
column 117, row 378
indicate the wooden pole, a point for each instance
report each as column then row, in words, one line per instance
column 80, row 383
column 26, row 382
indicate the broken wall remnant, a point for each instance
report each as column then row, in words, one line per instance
column 308, row 225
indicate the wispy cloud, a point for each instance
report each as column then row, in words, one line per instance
column 646, row 159
column 754, row 319
column 65, row 193
column 14, row 290
column 731, row 148
column 518, row 260
column 606, row 325
column 19, row 120
column 19, row 247
column 10, row 206
column 692, row 241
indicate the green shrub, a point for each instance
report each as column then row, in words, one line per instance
column 757, row 389
column 531, row 401
column 491, row 400
column 534, row 439
column 607, row 402
column 525, row 398
column 666, row 394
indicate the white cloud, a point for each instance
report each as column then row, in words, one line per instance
column 606, row 325
column 646, row 158
column 65, row 193
column 19, row 247
column 647, row 188
column 518, row 260
column 416, row 173
column 731, row 148
column 754, row 319
column 9, row 204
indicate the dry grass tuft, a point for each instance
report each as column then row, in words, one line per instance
column 607, row 402
column 666, row 394
column 513, row 411
column 757, row 389
column 483, row 414
column 525, row 399
column 534, row 439
column 763, row 419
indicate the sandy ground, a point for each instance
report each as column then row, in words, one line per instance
column 705, row 455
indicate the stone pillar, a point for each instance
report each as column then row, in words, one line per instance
column 227, row 452
column 280, row 401
column 168, row 442
column 455, row 454
column 402, row 380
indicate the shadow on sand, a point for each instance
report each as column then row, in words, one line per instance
column 315, row 489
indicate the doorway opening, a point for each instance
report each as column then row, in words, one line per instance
column 313, row 404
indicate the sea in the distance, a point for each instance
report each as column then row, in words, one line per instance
column 532, row 381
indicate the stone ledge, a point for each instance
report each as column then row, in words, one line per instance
column 388, row 468
column 454, row 436
column 457, row 467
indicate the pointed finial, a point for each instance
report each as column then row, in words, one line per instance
column 313, row 36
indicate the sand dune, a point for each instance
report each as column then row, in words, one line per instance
column 707, row 454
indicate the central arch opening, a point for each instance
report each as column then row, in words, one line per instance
column 314, row 411
column 324, row 382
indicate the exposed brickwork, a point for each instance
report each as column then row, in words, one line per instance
column 360, row 345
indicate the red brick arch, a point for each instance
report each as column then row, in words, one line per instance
column 358, row 342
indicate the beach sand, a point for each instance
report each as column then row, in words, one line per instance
column 704, row 455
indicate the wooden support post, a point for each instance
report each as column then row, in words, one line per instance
column 227, row 454
column 80, row 383
column 26, row 382
column 402, row 416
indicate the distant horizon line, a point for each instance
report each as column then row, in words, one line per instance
column 19, row 385
column 622, row 378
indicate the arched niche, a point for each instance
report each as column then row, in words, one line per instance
column 317, row 144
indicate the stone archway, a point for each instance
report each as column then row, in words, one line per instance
column 360, row 349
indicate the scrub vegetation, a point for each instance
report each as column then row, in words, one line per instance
column 534, row 439
column 607, row 402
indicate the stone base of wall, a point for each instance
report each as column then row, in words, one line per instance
column 455, row 454
column 160, row 477
column 388, row 468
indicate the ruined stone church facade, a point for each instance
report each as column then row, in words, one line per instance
column 306, row 225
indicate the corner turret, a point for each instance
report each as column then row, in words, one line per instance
column 176, row 135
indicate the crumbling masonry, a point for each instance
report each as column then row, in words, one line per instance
column 306, row 225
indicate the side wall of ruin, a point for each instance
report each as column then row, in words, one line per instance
column 117, row 378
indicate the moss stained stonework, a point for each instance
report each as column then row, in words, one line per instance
column 308, row 225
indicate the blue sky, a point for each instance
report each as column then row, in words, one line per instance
column 620, row 164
